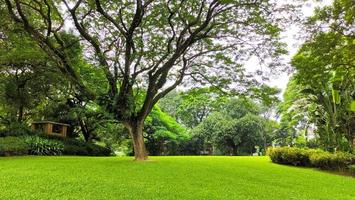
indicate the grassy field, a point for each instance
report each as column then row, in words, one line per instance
column 166, row 178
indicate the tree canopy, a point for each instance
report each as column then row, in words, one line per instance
column 154, row 45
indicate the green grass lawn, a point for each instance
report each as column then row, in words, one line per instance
column 166, row 178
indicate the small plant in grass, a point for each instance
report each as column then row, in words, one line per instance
column 41, row 146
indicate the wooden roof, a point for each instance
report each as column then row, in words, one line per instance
column 50, row 122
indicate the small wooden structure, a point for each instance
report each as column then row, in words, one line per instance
column 51, row 128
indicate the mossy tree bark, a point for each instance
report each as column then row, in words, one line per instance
column 135, row 129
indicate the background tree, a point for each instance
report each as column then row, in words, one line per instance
column 236, row 130
column 192, row 106
column 163, row 134
column 27, row 76
column 323, row 84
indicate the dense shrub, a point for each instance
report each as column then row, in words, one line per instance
column 326, row 160
column 291, row 155
column 41, row 146
column 86, row 150
column 44, row 145
column 78, row 147
column 11, row 146
column 311, row 158
column 97, row 150
column 75, row 150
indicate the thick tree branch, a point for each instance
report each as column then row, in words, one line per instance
column 95, row 44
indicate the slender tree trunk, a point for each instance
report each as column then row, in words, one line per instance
column 136, row 131
column 86, row 133
column 20, row 114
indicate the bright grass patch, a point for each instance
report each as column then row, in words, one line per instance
column 166, row 178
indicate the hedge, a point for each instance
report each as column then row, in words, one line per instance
column 13, row 146
column 334, row 161
column 311, row 158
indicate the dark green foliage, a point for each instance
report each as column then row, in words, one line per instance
column 194, row 146
column 16, row 129
column 78, row 147
column 27, row 76
column 75, row 150
column 13, row 146
column 311, row 158
column 97, row 150
column 44, row 147
column 352, row 169
column 86, row 150
column 49, row 145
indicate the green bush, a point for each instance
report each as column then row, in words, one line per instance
column 326, row 160
column 12, row 146
column 44, row 145
column 78, row 147
column 75, row 150
column 41, row 146
column 97, row 150
column 88, row 149
column 291, row 155
column 311, row 158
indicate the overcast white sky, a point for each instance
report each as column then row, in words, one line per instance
column 292, row 43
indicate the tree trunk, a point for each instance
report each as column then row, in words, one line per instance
column 136, row 131
column 20, row 114
column 86, row 133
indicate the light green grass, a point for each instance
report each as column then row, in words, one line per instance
column 165, row 178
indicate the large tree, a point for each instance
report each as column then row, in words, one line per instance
column 153, row 45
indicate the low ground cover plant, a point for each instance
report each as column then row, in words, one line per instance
column 44, row 147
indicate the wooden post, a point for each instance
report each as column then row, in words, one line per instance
column 49, row 128
column 64, row 131
column 33, row 127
